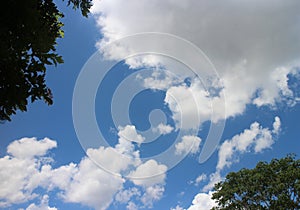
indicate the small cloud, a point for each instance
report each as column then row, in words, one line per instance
column 200, row 179
column 163, row 129
column 203, row 201
column 124, row 196
column 276, row 125
column 188, row 144
column 153, row 193
column 130, row 134
column 30, row 147
column 131, row 206
column 177, row 208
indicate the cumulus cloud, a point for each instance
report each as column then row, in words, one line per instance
column 229, row 33
column 163, row 129
column 188, row 144
column 254, row 58
column 84, row 183
column 31, row 171
column 203, row 201
column 149, row 174
column 30, row 147
column 130, row 134
column 23, row 161
column 92, row 186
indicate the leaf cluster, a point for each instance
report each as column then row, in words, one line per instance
column 274, row 185
column 28, row 39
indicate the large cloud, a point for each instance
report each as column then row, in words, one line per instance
column 85, row 183
column 265, row 34
column 92, row 186
column 254, row 46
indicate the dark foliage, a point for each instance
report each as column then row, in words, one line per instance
column 274, row 185
column 28, row 34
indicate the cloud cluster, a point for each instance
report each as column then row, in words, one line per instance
column 85, row 183
column 19, row 167
column 254, row 46
column 256, row 139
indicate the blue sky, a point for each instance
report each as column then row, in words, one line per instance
column 203, row 57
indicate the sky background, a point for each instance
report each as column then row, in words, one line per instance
column 255, row 49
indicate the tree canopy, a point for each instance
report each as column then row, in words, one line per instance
column 274, row 185
column 29, row 30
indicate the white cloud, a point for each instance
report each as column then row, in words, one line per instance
column 130, row 134
column 149, row 174
column 200, row 179
column 213, row 179
column 125, row 195
column 226, row 26
column 182, row 102
column 177, row 208
column 253, row 57
column 92, row 186
column 188, row 144
column 276, row 125
column 30, row 147
column 203, row 201
column 42, row 206
column 50, row 178
column 159, row 80
column 255, row 138
column 85, row 183
column 131, row 206
column 260, row 138
column 152, row 194
column 163, row 129
column 277, row 86
column 24, row 162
